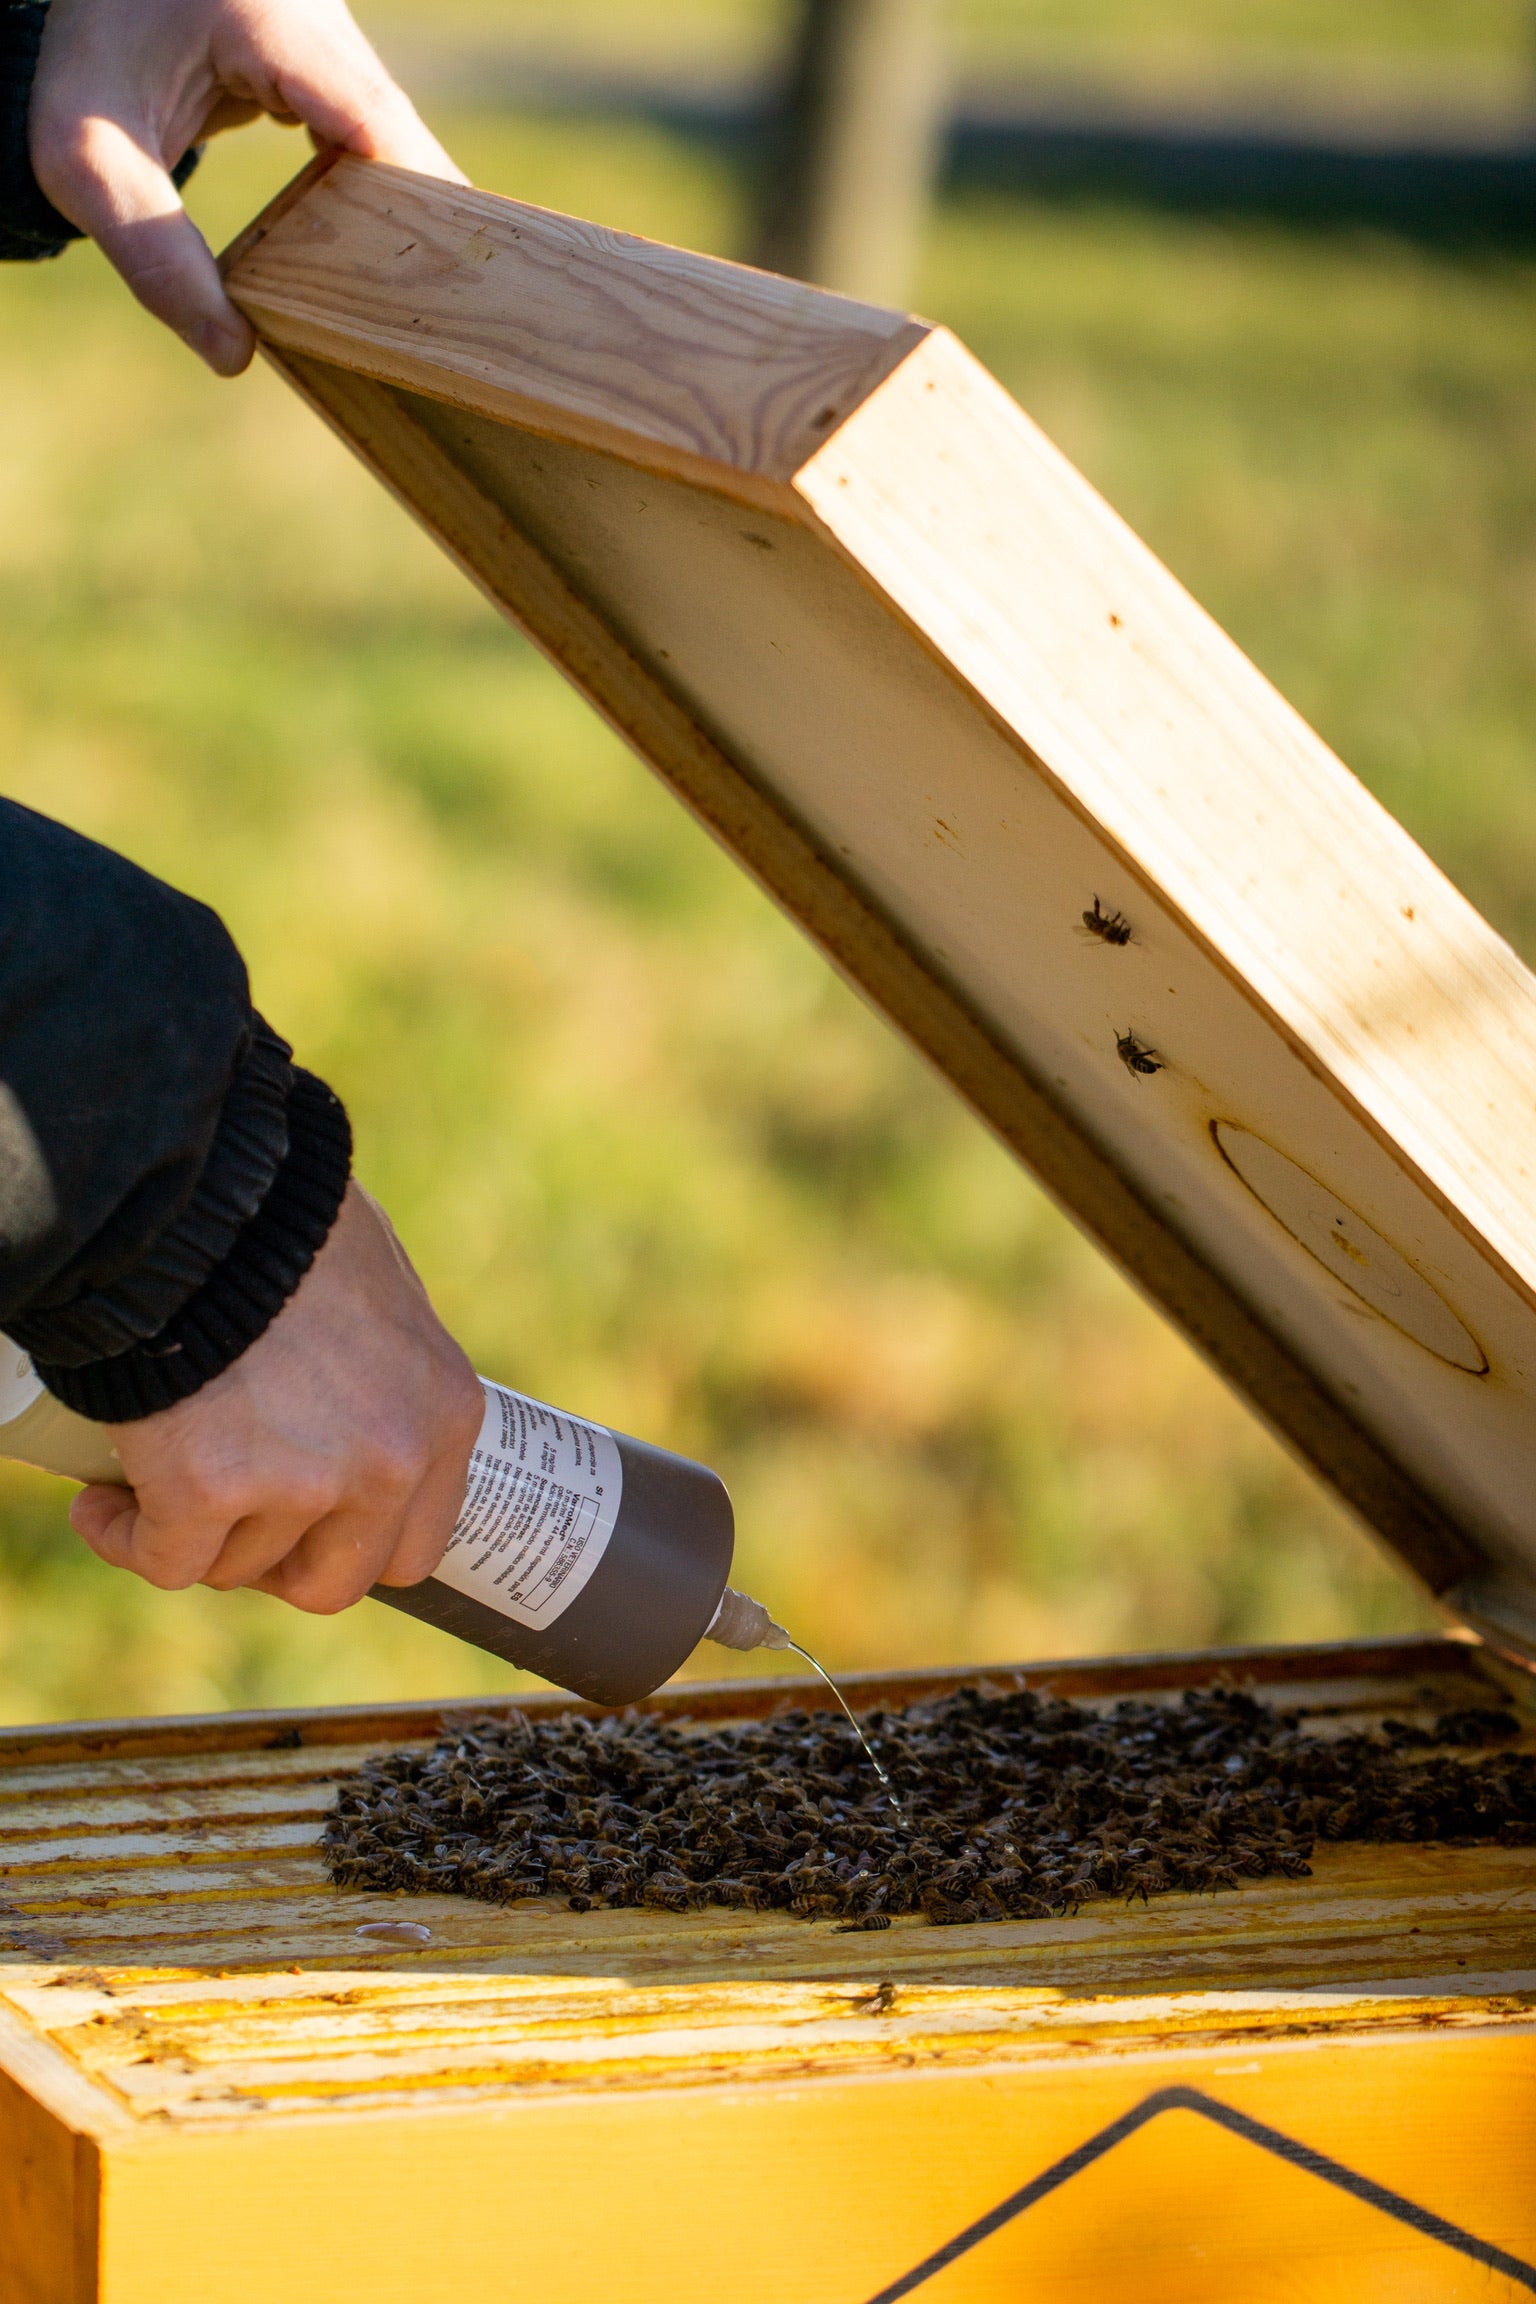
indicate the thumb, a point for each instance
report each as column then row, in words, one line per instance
column 170, row 1553
column 122, row 195
column 106, row 1518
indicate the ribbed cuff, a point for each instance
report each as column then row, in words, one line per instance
column 242, row 1297
column 30, row 225
column 249, row 1146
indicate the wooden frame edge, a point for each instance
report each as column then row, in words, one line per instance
column 359, row 395
column 316, row 1727
column 284, row 326
column 72, row 2122
column 883, row 968
column 814, row 512
column 277, row 208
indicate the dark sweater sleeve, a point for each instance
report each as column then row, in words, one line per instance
column 167, row 1175
column 31, row 226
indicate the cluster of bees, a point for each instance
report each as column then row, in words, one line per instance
column 1012, row 1806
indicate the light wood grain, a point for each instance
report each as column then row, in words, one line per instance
column 939, row 700
column 928, row 823
column 863, row 944
column 710, row 365
column 1158, row 728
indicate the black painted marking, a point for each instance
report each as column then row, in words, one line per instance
column 1253, row 2132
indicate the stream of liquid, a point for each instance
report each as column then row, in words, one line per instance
column 869, row 1750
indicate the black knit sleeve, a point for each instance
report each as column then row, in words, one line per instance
column 31, row 226
column 167, row 1175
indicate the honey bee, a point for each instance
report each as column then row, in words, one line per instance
column 1109, row 927
column 1137, row 1057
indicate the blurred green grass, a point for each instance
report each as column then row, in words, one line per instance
column 653, row 1161
column 1200, row 33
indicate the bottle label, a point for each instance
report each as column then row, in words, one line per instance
column 20, row 1383
column 543, row 1495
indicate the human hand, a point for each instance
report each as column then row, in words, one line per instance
column 124, row 88
column 332, row 1455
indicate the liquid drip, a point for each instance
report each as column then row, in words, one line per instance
column 869, row 1750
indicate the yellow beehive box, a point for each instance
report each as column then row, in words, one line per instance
column 214, row 2090
column 872, row 629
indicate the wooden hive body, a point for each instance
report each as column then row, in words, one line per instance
column 214, row 2091
column 870, row 627
column 811, row 560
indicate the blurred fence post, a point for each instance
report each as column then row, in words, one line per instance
column 851, row 156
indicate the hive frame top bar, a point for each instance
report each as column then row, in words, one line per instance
column 880, row 637
column 1403, row 1667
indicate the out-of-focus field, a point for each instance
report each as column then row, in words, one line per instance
column 654, row 1163
column 1209, row 37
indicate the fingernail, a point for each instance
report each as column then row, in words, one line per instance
column 227, row 350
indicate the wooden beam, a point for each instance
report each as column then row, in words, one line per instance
column 1402, row 1662
column 872, row 956
column 825, row 577
column 661, row 365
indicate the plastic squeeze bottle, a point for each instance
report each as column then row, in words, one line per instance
column 595, row 1560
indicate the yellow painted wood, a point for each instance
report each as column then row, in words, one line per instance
column 212, row 2089
column 49, row 2178
column 804, row 2192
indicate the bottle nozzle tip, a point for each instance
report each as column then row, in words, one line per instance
column 745, row 1624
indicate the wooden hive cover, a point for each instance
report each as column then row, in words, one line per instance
column 875, row 631
column 214, row 2089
